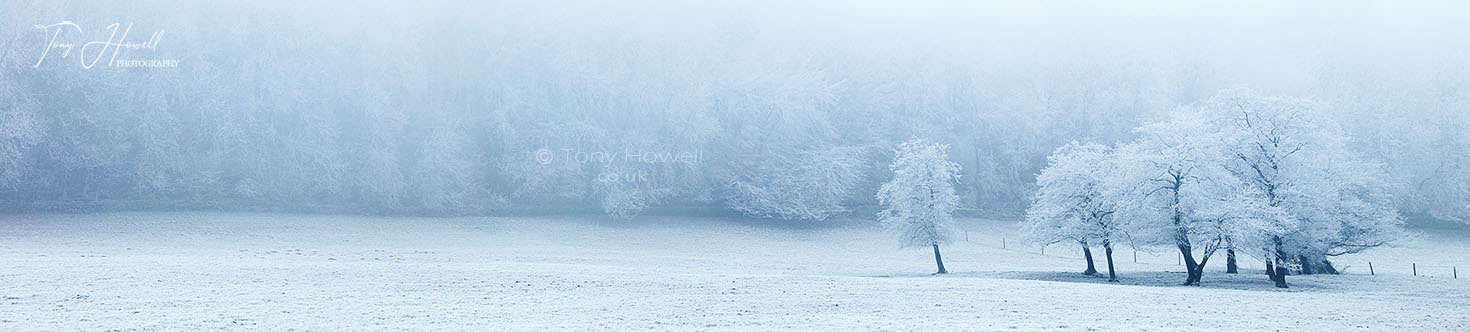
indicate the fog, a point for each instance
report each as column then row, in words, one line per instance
column 771, row 109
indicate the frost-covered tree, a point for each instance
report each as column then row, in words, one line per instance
column 1176, row 192
column 21, row 122
column 921, row 197
column 1416, row 122
column 627, row 190
column 18, row 131
column 783, row 158
column 1075, row 201
column 801, row 184
column 1321, row 199
column 443, row 177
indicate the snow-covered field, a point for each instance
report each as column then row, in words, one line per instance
column 207, row 271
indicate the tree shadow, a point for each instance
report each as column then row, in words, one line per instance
column 1254, row 280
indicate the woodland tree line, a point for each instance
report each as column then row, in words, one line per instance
column 380, row 111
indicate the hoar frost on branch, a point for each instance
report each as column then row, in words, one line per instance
column 1074, row 202
column 1324, row 200
column 1267, row 176
column 920, row 199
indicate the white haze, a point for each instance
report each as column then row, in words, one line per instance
column 440, row 108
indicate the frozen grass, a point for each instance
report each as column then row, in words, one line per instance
column 198, row 271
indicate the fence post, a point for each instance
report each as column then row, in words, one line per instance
column 1370, row 268
column 1002, row 243
column 1456, row 271
column 1416, row 268
column 1135, row 255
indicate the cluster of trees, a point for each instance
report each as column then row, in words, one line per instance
column 1270, row 177
column 792, row 108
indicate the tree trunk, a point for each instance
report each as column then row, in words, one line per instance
column 1280, row 275
column 1326, row 267
column 1087, row 253
column 937, row 260
column 1199, row 268
column 1316, row 264
column 1230, row 264
column 1191, row 268
column 1108, row 251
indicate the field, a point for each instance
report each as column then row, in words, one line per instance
column 231, row 271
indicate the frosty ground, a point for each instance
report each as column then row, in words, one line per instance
column 196, row 271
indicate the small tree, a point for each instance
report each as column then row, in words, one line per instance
column 921, row 197
column 1073, row 202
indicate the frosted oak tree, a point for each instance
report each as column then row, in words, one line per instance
column 1074, row 202
column 1176, row 192
column 921, row 197
column 1322, row 199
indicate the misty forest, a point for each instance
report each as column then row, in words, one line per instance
column 734, row 165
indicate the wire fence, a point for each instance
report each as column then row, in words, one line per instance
column 1414, row 269
column 1155, row 256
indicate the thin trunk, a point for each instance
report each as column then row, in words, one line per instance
column 1230, row 264
column 1181, row 237
column 1199, row 268
column 1278, row 271
column 1087, row 253
column 1280, row 275
column 937, row 260
column 1108, row 251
